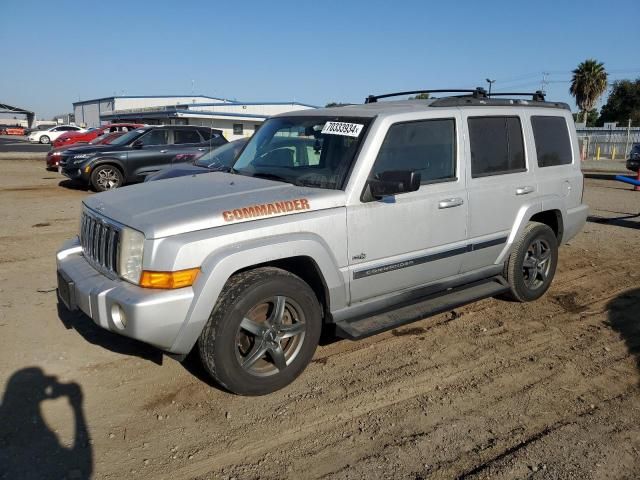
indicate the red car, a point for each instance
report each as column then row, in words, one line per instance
column 13, row 130
column 70, row 138
column 53, row 157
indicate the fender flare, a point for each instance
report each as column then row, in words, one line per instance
column 541, row 204
column 221, row 264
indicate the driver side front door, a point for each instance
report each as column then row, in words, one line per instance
column 411, row 239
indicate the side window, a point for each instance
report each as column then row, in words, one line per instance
column 496, row 146
column 238, row 129
column 181, row 136
column 552, row 141
column 156, row 136
column 427, row 147
column 207, row 133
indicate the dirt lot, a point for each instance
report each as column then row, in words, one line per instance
column 496, row 389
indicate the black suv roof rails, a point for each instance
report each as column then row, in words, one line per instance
column 478, row 92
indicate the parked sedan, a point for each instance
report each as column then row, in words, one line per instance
column 13, row 130
column 49, row 135
column 54, row 156
column 633, row 163
column 69, row 138
column 138, row 153
column 219, row 160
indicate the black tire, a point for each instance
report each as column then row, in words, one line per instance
column 106, row 177
column 244, row 323
column 532, row 264
column 45, row 140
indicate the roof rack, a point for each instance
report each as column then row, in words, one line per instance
column 478, row 92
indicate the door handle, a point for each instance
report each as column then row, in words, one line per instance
column 201, row 149
column 524, row 190
column 450, row 202
column 164, row 151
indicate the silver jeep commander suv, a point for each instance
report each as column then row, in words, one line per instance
column 332, row 218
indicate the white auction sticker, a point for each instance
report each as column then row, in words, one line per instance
column 341, row 128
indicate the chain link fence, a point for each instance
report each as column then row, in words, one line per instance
column 600, row 143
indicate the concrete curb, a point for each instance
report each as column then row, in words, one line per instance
column 23, row 155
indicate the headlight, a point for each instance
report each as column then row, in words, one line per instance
column 83, row 155
column 130, row 255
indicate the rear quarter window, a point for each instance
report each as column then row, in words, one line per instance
column 551, row 136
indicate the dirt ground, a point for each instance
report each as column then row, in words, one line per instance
column 548, row 389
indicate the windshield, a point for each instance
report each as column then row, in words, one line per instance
column 309, row 151
column 128, row 137
column 223, row 156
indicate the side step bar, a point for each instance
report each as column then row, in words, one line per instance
column 356, row 329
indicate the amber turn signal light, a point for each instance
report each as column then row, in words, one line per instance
column 169, row 280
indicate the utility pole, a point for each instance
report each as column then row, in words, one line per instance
column 626, row 145
column 545, row 81
column 490, row 82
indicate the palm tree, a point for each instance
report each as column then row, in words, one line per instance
column 589, row 82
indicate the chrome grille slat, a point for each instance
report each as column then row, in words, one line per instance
column 100, row 239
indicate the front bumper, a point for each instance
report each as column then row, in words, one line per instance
column 151, row 316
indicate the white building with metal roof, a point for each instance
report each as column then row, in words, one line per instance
column 235, row 119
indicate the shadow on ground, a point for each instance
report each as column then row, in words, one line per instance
column 106, row 339
column 625, row 221
column 73, row 185
column 29, row 449
column 624, row 318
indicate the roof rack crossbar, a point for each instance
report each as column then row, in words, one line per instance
column 476, row 92
column 537, row 96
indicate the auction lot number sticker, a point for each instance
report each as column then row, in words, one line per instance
column 342, row 128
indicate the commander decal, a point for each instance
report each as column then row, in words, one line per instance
column 265, row 209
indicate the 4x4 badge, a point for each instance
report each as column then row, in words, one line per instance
column 360, row 256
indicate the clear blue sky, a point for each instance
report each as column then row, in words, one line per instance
column 54, row 53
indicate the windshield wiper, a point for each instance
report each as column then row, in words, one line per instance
column 270, row 176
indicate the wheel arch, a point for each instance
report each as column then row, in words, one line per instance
column 304, row 255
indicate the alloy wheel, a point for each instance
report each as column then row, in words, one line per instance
column 537, row 263
column 108, row 178
column 270, row 336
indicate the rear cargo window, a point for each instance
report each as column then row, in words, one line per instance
column 426, row 147
column 497, row 147
column 552, row 141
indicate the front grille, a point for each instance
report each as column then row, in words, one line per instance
column 100, row 240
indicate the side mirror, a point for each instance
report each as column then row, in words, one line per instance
column 394, row 182
column 137, row 144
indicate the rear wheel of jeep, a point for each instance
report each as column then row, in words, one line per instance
column 532, row 263
column 262, row 333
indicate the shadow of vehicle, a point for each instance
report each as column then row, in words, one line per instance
column 71, row 185
column 626, row 221
column 624, row 315
column 29, row 449
column 106, row 339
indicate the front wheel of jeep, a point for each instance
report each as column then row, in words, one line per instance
column 262, row 332
column 532, row 263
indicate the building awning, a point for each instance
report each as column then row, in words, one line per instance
column 6, row 108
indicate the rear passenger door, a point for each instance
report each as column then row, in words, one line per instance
column 500, row 183
column 153, row 155
column 415, row 238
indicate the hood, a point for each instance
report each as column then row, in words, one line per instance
column 76, row 150
column 186, row 204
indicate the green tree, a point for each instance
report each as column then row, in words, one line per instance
column 589, row 82
column 592, row 118
column 420, row 96
column 623, row 103
column 335, row 104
